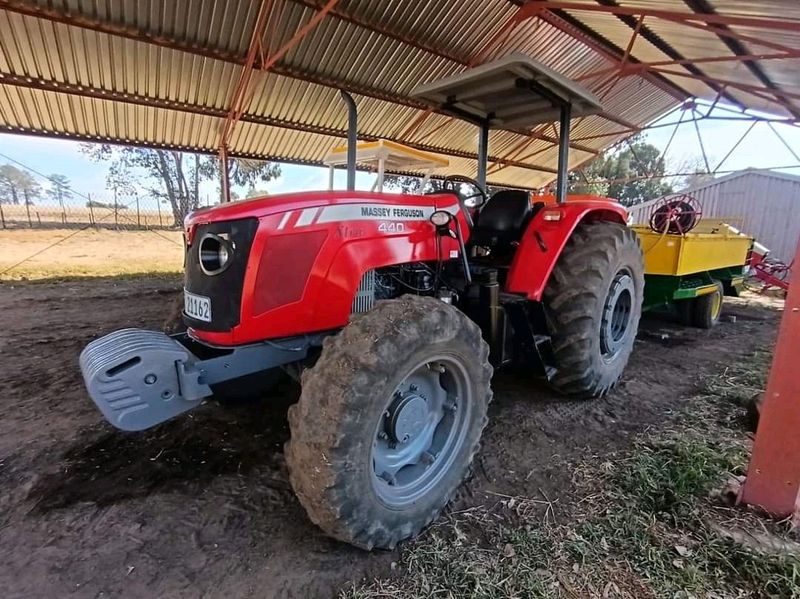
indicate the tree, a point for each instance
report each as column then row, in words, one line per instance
column 59, row 189
column 631, row 175
column 18, row 185
column 9, row 184
column 176, row 176
column 256, row 193
column 119, row 182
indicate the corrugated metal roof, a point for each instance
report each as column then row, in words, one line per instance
column 162, row 72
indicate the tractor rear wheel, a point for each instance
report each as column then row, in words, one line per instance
column 389, row 420
column 593, row 302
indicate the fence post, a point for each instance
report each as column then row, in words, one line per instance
column 2, row 215
column 158, row 205
column 28, row 211
column 138, row 214
column 91, row 209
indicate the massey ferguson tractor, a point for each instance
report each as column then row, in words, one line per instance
column 392, row 312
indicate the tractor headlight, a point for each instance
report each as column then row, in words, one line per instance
column 441, row 218
column 215, row 254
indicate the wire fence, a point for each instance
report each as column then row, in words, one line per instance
column 101, row 211
column 31, row 199
column 124, row 214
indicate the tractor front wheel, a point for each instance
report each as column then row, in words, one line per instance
column 593, row 302
column 389, row 420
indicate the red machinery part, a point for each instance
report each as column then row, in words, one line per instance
column 676, row 215
column 770, row 273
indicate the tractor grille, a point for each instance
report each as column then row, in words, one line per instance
column 224, row 289
column 365, row 296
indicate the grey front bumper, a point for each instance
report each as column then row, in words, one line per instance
column 140, row 378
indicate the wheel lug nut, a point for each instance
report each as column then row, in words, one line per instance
column 451, row 406
column 382, row 435
column 405, row 438
column 413, row 388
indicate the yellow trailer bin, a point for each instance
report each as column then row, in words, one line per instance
column 693, row 271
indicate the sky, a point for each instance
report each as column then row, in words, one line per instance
column 761, row 149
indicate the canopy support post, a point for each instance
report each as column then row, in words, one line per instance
column 225, row 181
column 483, row 154
column 563, row 153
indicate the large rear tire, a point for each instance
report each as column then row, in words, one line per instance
column 389, row 420
column 593, row 302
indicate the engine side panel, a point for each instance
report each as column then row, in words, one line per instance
column 543, row 241
column 347, row 239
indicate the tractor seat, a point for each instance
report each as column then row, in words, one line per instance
column 502, row 221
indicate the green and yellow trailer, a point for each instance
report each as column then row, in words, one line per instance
column 695, row 270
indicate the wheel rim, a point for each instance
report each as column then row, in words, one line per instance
column 617, row 312
column 716, row 305
column 421, row 431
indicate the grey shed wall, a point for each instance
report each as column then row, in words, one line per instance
column 765, row 205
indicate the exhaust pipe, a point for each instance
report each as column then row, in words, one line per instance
column 352, row 138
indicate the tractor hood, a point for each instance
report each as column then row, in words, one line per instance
column 260, row 207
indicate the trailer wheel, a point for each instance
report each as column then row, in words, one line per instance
column 707, row 309
column 389, row 420
column 593, row 302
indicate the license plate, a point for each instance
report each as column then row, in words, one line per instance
column 197, row 306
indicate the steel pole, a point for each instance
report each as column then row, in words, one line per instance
column 563, row 154
column 483, row 154
column 224, row 175
column 773, row 478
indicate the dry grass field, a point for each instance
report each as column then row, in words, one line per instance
column 30, row 253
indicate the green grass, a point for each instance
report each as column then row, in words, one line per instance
column 647, row 524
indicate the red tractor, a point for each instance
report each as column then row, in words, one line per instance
column 392, row 312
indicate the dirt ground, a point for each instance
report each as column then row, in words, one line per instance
column 201, row 506
column 40, row 253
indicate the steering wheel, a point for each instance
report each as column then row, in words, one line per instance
column 455, row 184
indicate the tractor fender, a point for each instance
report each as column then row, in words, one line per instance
column 545, row 238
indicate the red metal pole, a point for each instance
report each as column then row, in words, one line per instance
column 773, row 479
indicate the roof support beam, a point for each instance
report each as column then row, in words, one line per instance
column 644, row 66
column 237, row 103
column 607, row 50
column 647, row 33
column 634, row 11
column 218, row 113
column 703, row 7
column 277, row 68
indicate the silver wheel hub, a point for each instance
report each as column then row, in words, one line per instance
column 617, row 310
column 407, row 417
column 421, row 431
